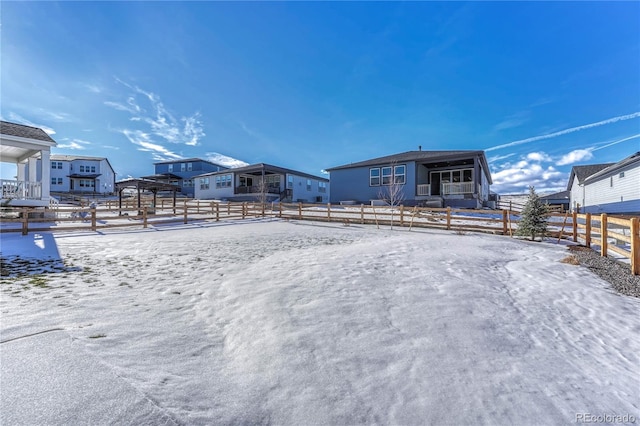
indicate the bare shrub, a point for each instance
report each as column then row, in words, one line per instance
column 571, row 260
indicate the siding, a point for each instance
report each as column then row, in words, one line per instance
column 300, row 189
column 576, row 195
column 353, row 184
column 614, row 189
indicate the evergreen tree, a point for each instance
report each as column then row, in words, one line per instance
column 533, row 221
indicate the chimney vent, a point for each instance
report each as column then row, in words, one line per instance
column 419, row 147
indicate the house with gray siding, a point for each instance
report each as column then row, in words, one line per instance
column 433, row 178
column 612, row 188
column 182, row 173
column 82, row 175
column 245, row 184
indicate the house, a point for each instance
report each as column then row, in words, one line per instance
column 560, row 199
column 433, row 178
column 182, row 172
column 29, row 148
column 606, row 188
column 82, row 174
column 245, row 184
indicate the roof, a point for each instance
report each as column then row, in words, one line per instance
column 59, row 157
column 562, row 195
column 189, row 160
column 583, row 172
column 256, row 168
column 159, row 176
column 614, row 168
column 84, row 176
column 419, row 156
column 145, row 184
column 22, row 131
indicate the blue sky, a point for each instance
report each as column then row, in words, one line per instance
column 541, row 86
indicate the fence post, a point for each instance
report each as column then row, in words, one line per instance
column 25, row 221
column 448, row 218
column 144, row 217
column 185, row 213
column 635, row 246
column 603, row 235
column 328, row 212
column 300, row 211
column 574, row 223
column 362, row 214
column 401, row 215
column 228, row 208
column 588, row 231
column 504, row 222
column 217, row 212
column 93, row 219
column 244, row 207
column 280, row 209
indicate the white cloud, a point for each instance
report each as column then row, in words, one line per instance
column 516, row 178
column 224, row 160
column 144, row 142
column 575, row 156
column 512, row 121
column 75, row 144
column 538, row 156
column 162, row 123
column 21, row 120
column 567, row 131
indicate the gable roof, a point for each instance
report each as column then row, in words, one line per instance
column 615, row 167
column 254, row 168
column 562, row 195
column 419, row 156
column 583, row 172
column 22, row 131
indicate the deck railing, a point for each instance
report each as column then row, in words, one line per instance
column 21, row 189
column 457, row 188
column 424, row 190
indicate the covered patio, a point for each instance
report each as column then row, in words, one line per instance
column 145, row 185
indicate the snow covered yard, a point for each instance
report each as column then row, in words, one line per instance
column 275, row 322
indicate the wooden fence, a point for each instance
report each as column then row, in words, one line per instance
column 602, row 233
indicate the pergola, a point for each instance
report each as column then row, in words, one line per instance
column 146, row 185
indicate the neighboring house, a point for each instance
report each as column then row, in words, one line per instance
column 433, row 178
column 607, row 188
column 244, row 184
column 29, row 148
column 182, row 172
column 81, row 174
column 558, row 199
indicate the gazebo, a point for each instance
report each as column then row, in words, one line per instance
column 146, row 185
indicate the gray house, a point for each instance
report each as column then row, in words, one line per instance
column 433, row 178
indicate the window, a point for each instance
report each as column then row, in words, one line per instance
column 81, row 169
column 187, row 183
column 204, row 183
column 170, row 167
column 87, row 183
column 56, row 165
column 93, row 169
column 223, row 181
column 611, row 182
column 374, row 177
column 621, row 175
column 308, row 184
column 273, row 181
column 59, row 181
column 399, row 174
column 189, row 167
column 290, row 182
column 183, row 167
column 54, row 181
column 322, row 186
column 386, row 175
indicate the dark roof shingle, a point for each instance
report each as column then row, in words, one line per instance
column 22, row 131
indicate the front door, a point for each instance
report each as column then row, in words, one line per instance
column 435, row 183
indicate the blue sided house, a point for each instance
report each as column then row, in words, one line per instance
column 459, row 179
column 182, row 173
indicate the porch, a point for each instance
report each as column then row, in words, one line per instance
column 23, row 146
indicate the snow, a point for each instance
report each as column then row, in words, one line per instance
column 286, row 322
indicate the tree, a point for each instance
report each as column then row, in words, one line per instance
column 533, row 221
column 393, row 192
